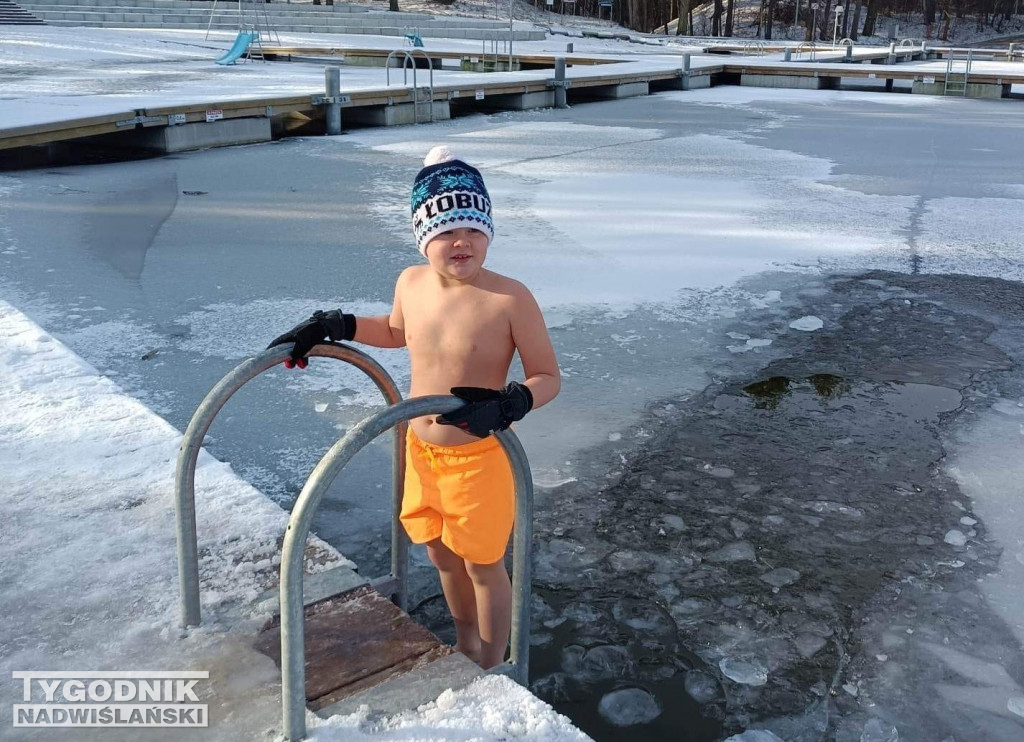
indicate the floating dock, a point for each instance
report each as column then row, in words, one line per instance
column 529, row 84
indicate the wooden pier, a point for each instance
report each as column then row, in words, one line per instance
column 223, row 122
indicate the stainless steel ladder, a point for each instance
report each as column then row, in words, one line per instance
column 407, row 57
column 956, row 82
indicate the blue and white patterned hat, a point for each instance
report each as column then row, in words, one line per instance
column 448, row 194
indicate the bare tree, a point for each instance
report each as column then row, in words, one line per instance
column 683, row 20
column 856, row 20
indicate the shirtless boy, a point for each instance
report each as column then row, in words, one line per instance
column 462, row 324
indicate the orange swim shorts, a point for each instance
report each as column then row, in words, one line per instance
column 464, row 495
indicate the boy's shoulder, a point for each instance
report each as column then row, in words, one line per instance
column 505, row 285
column 412, row 274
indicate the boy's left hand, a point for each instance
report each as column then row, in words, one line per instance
column 487, row 410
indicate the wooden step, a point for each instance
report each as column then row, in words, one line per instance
column 355, row 642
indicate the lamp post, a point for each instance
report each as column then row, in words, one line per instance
column 814, row 22
column 835, row 25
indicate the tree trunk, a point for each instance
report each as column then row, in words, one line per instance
column 769, row 12
column 929, row 18
column 683, row 22
column 856, row 20
column 824, row 21
column 870, row 13
column 728, row 17
column 393, row 6
column 716, row 19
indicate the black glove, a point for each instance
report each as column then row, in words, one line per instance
column 316, row 329
column 487, row 410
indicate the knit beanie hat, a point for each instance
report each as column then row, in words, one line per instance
column 448, row 194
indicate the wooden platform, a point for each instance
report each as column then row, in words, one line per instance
column 354, row 642
column 492, row 92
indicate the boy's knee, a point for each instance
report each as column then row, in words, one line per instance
column 487, row 573
column 442, row 557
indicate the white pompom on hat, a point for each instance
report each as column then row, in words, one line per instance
column 448, row 194
column 440, row 153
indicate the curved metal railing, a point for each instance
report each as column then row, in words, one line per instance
column 408, row 57
column 188, row 455
column 293, row 656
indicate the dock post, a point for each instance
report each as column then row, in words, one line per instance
column 849, row 54
column 568, row 48
column 1010, row 52
column 891, row 59
column 332, row 104
column 560, row 97
column 787, row 55
column 684, row 72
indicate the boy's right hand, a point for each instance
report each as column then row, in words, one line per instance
column 315, row 330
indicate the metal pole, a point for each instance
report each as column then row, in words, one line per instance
column 293, row 667
column 509, row 35
column 192, row 441
column 685, row 72
column 560, row 97
column 332, row 79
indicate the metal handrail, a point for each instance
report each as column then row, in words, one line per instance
column 293, row 655
column 415, row 92
column 810, row 46
column 411, row 57
column 188, row 455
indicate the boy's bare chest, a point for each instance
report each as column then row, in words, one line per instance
column 457, row 329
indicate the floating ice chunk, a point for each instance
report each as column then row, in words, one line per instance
column 759, row 342
column 851, row 689
column 877, row 730
column 743, row 672
column 674, row 522
column 701, row 687
column 613, row 437
column 966, row 521
column 737, row 551
column 755, row 735
column 810, row 323
column 954, row 537
column 737, row 336
column 781, row 577
column 808, row 645
column 600, row 663
column 320, row 407
column 719, row 472
column 1008, row 407
column 629, row 706
column 770, row 297
column 738, row 348
column 1015, row 705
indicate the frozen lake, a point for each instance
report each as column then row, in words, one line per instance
column 745, row 409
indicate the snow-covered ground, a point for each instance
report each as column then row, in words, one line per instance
column 643, row 226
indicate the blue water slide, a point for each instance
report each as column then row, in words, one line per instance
column 241, row 46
